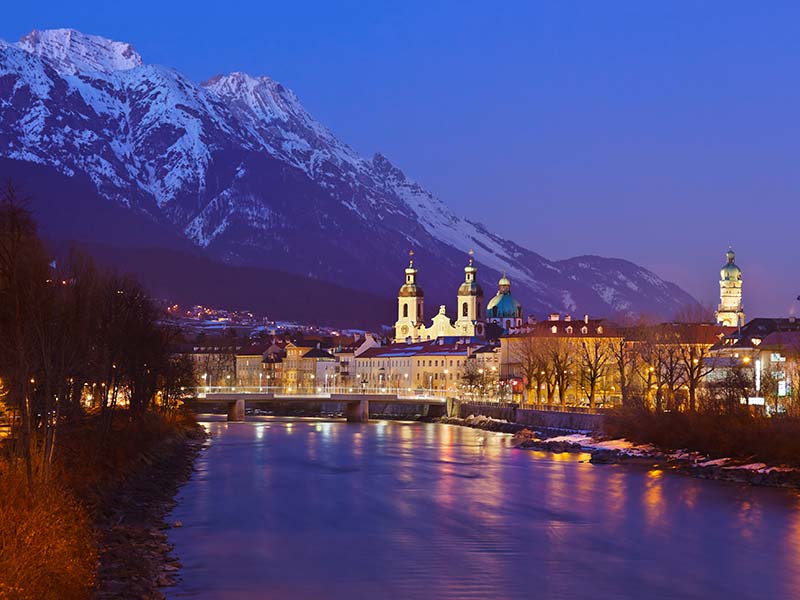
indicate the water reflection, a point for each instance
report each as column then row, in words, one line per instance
column 309, row 508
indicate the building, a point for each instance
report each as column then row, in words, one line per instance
column 469, row 322
column 503, row 310
column 767, row 350
column 214, row 360
column 304, row 361
column 251, row 369
column 562, row 360
column 429, row 365
column 729, row 312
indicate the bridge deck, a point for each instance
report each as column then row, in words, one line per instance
column 316, row 398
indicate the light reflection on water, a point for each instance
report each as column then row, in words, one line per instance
column 304, row 508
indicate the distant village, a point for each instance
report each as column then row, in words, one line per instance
column 492, row 352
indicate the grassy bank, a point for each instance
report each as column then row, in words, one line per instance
column 738, row 435
column 54, row 535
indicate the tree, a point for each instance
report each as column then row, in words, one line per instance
column 697, row 365
column 593, row 360
column 622, row 356
column 726, row 393
column 530, row 353
column 67, row 333
column 695, row 313
column 561, row 360
column 473, row 376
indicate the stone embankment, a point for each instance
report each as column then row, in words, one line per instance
column 482, row 422
column 608, row 451
column 135, row 559
column 681, row 461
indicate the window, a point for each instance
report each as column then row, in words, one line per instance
column 464, row 309
column 405, row 311
column 569, row 329
column 584, row 330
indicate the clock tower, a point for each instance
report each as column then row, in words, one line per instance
column 729, row 311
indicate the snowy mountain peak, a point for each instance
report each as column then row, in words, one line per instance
column 70, row 51
column 384, row 167
column 240, row 168
column 267, row 99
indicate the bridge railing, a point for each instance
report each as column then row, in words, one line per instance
column 321, row 392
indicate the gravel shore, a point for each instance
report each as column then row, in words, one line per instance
column 135, row 556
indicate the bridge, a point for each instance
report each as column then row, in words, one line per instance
column 355, row 400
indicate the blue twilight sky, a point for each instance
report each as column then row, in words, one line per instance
column 661, row 132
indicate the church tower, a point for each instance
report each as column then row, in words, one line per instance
column 470, row 302
column 410, row 306
column 729, row 311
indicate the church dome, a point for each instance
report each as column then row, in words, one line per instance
column 411, row 290
column 470, row 288
column 730, row 272
column 503, row 305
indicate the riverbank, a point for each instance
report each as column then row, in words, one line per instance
column 95, row 525
column 135, row 559
column 620, row 451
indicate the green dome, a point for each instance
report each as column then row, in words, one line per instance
column 730, row 272
column 503, row 306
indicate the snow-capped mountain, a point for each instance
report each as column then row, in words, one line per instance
column 237, row 166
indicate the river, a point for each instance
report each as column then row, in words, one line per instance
column 306, row 508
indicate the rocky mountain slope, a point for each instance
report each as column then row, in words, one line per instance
column 240, row 169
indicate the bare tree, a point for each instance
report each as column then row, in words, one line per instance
column 562, row 359
column 593, row 361
column 697, row 365
column 531, row 354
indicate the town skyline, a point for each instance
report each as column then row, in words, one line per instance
column 399, row 300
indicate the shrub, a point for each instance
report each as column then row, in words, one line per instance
column 47, row 546
column 740, row 435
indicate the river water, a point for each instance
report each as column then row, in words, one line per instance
column 294, row 508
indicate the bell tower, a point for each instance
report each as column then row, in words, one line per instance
column 469, row 320
column 410, row 306
column 729, row 312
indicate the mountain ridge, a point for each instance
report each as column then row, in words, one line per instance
column 238, row 167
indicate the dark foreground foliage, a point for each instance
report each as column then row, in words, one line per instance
column 53, row 533
column 740, row 435
column 47, row 546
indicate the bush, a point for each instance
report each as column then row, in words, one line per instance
column 739, row 435
column 47, row 546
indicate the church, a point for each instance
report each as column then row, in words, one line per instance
column 472, row 315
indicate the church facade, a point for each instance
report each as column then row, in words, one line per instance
column 469, row 322
column 730, row 312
